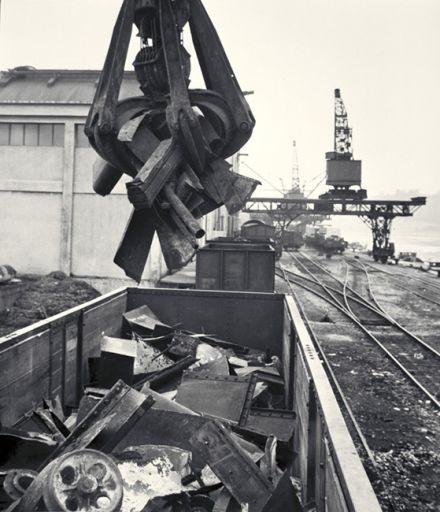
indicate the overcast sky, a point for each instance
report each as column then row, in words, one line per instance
column 382, row 54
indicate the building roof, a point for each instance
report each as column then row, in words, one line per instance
column 27, row 85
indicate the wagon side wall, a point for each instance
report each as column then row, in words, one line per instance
column 50, row 358
column 245, row 318
column 327, row 463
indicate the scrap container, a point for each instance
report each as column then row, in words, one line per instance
column 49, row 359
column 292, row 239
column 236, row 266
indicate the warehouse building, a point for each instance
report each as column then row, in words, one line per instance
column 51, row 218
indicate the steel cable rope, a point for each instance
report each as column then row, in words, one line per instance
column 370, row 335
column 311, row 180
column 315, row 187
column 262, row 177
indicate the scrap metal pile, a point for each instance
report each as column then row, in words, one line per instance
column 172, row 140
column 172, row 421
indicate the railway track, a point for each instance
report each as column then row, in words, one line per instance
column 311, row 268
column 398, row 283
column 362, row 444
column 283, row 273
column 428, row 284
column 415, row 358
column 373, row 305
column 394, row 322
column 385, row 406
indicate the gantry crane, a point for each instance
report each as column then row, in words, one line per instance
column 377, row 214
column 343, row 172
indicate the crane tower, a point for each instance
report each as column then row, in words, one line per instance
column 343, row 172
column 295, row 190
column 343, row 132
column 295, row 170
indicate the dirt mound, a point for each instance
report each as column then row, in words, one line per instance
column 44, row 296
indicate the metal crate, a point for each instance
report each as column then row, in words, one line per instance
column 236, row 266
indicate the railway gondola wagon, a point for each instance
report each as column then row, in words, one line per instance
column 236, row 266
column 292, row 240
column 256, row 230
column 50, row 359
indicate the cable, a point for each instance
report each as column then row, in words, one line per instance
column 307, row 182
column 262, row 177
column 315, row 187
column 273, row 187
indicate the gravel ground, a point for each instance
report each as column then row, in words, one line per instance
column 44, row 296
column 401, row 427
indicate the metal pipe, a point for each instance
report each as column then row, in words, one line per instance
column 185, row 215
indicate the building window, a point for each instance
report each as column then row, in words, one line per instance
column 4, row 134
column 45, row 135
column 16, row 137
column 31, row 134
column 81, row 141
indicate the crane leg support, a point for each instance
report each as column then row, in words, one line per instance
column 381, row 230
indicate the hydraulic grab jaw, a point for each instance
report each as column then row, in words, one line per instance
column 174, row 153
column 219, row 75
column 103, row 110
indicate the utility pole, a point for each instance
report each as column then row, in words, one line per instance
column 234, row 220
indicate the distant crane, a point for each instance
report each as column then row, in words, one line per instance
column 295, row 191
column 295, row 170
column 343, row 172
